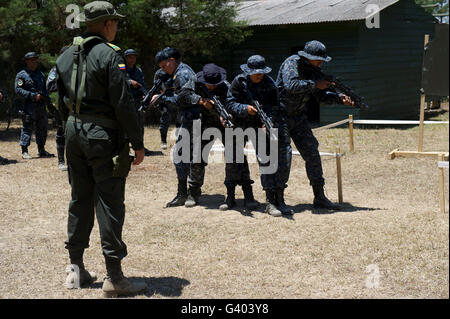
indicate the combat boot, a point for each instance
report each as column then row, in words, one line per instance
column 61, row 163
column 249, row 200
column 116, row 284
column 78, row 277
column 43, row 153
column 180, row 199
column 230, row 201
column 281, row 205
column 193, row 196
column 321, row 201
column 271, row 208
column 25, row 154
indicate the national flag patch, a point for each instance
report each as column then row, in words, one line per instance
column 122, row 67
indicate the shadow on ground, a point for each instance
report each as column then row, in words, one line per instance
column 214, row 201
column 164, row 286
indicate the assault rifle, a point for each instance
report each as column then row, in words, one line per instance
column 218, row 106
column 359, row 101
column 341, row 87
column 262, row 115
column 156, row 88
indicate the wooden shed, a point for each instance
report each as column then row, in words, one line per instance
column 383, row 63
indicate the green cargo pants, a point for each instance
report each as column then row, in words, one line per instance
column 90, row 150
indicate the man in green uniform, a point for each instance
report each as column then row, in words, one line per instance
column 100, row 123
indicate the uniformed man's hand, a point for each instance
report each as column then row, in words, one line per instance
column 251, row 110
column 38, row 97
column 135, row 84
column 346, row 100
column 323, row 84
column 139, row 156
column 154, row 97
column 1, row 97
column 206, row 103
column 222, row 121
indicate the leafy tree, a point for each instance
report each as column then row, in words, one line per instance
column 199, row 28
column 441, row 6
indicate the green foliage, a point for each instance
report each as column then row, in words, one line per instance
column 441, row 5
column 196, row 27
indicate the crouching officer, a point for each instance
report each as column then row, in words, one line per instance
column 101, row 122
column 301, row 87
column 255, row 84
column 30, row 86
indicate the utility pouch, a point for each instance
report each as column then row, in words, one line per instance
column 122, row 161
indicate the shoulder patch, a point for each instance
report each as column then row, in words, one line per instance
column 115, row 47
column 19, row 82
column 122, row 67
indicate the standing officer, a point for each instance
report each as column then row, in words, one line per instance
column 167, row 111
column 51, row 86
column 182, row 76
column 30, row 85
column 100, row 116
column 256, row 81
column 301, row 87
column 210, row 82
column 136, row 84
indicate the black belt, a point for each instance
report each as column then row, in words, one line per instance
column 109, row 123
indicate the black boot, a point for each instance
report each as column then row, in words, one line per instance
column 271, row 208
column 321, row 201
column 180, row 199
column 25, row 154
column 43, row 153
column 230, row 201
column 193, row 196
column 249, row 200
column 281, row 205
column 85, row 277
column 61, row 163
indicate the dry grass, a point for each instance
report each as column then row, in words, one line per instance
column 391, row 219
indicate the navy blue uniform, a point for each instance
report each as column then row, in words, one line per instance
column 28, row 85
column 51, row 86
column 266, row 94
column 296, row 84
column 183, row 79
column 167, row 111
column 135, row 73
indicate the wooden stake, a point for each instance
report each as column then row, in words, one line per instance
column 422, row 105
column 339, row 175
column 350, row 128
column 441, row 185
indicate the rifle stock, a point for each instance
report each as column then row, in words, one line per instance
column 261, row 114
column 218, row 106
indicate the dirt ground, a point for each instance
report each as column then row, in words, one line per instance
column 389, row 241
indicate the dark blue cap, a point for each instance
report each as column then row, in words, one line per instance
column 212, row 74
column 315, row 50
column 130, row 52
column 31, row 55
column 167, row 53
column 255, row 64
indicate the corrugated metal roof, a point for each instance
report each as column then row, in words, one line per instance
column 275, row 12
